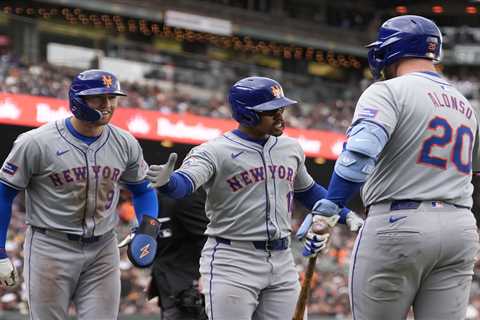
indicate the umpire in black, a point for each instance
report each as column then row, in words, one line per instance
column 175, row 272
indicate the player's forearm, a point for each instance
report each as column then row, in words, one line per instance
column 7, row 194
column 341, row 190
column 179, row 186
column 310, row 197
column 144, row 201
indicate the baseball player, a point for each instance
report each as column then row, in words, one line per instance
column 412, row 145
column 251, row 176
column 71, row 170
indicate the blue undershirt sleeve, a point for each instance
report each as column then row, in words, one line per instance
column 342, row 190
column 144, row 200
column 178, row 187
column 7, row 194
column 309, row 197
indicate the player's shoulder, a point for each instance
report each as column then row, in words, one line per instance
column 121, row 134
column 212, row 146
column 42, row 134
column 287, row 141
column 416, row 80
column 388, row 89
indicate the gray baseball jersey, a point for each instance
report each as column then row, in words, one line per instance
column 432, row 130
column 71, row 186
column 72, row 190
column 249, row 187
column 418, row 196
column 249, row 200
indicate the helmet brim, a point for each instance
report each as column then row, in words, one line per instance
column 273, row 104
column 97, row 91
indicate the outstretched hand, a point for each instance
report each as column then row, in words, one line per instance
column 159, row 175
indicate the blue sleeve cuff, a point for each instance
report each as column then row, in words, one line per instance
column 7, row 194
column 144, row 199
column 178, row 187
column 343, row 215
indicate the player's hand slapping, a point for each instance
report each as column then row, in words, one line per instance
column 8, row 273
column 159, row 175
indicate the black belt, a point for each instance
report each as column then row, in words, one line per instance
column 414, row 204
column 69, row 236
column 269, row 245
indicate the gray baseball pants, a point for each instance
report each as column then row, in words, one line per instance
column 241, row 282
column 58, row 270
column 421, row 257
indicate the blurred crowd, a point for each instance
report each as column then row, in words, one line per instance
column 332, row 111
column 329, row 294
column 53, row 81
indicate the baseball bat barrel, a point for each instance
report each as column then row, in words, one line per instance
column 305, row 291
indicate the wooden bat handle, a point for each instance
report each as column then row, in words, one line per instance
column 304, row 293
column 319, row 227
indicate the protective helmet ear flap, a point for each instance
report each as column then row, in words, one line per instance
column 245, row 117
column 81, row 110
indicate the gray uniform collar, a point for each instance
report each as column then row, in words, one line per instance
column 67, row 135
column 270, row 141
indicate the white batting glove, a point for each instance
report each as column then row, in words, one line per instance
column 315, row 243
column 159, row 175
column 318, row 235
column 354, row 222
column 8, row 273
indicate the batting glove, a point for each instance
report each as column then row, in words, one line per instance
column 159, row 175
column 322, row 207
column 354, row 222
column 316, row 241
column 8, row 273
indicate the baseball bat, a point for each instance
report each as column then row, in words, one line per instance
column 320, row 226
column 305, row 291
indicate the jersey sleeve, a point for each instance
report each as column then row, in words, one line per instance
column 21, row 163
column 377, row 104
column 303, row 180
column 136, row 169
column 199, row 165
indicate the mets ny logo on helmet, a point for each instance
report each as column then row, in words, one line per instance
column 107, row 81
column 277, row 91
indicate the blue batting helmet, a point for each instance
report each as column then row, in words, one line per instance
column 255, row 94
column 89, row 83
column 404, row 37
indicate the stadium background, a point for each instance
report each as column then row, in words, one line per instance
column 176, row 59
